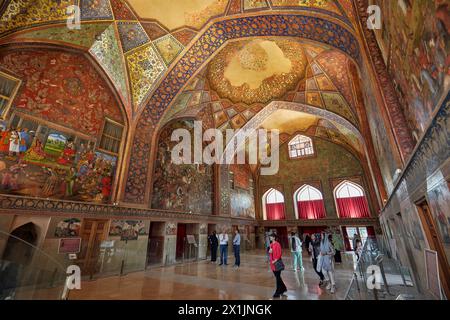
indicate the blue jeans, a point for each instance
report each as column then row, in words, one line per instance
column 298, row 260
column 237, row 255
column 223, row 253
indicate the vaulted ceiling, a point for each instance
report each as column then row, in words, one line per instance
column 137, row 42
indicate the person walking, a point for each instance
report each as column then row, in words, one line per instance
column 214, row 243
column 223, row 241
column 326, row 263
column 314, row 249
column 296, row 251
column 276, row 264
column 237, row 248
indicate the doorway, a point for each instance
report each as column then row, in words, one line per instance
column 18, row 249
column 181, row 239
column 155, row 246
column 435, row 242
column 93, row 232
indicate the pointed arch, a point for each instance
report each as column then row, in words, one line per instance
column 308, row 203
column 351, row 201
column 273, row 205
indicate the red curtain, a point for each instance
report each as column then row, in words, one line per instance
column 275, row 211
column 355, row 207
column 310, row 210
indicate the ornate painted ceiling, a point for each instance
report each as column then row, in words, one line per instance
column 246, row 76
column 137, row 42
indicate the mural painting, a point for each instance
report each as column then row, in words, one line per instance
column 127, row 229
column 187, row 187
column 418, row 34
column 242, row 203
column 68, row 228
column 48, row 143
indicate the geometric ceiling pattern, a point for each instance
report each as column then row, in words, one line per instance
column 137, row 41
column 315, row 88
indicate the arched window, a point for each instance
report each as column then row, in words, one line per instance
column 300, row 146
column 309, row 203
column 273, row 205
column 351, row 201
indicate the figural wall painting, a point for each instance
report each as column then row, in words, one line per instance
column 61, row 138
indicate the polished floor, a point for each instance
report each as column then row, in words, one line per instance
column 204, row 280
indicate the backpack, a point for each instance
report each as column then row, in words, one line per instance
column 294, row 244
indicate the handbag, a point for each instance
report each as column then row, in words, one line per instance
column 279, row 265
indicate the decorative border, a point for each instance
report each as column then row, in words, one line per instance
column 394, row 111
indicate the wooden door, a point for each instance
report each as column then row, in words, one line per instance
column 93, row 232
column 435, row 242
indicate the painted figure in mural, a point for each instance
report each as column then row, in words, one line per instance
column 50, row 183
column 25, row 140
column 6, row 180
column 106, row 186
column 36, row 152
column 80, row 152
column 70, row 181
column 4, row 142
column 14, row 143
column 68, row 154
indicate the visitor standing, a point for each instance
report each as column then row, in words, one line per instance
column 338, row 243
column 296, row 251
column 214, row 243
column 276, row 264
column 237, row 248
column 223, row 241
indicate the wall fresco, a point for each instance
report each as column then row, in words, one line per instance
column 186, row 187
column 48, row 143
column 417, row 33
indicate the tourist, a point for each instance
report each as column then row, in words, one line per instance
column 237, row 248
column 223, row 241
column 214, row 243
column 276, row 264
column 296, row 251
column 358, row 249
column 326, row 263
column 355, row 238
column 314, row 249
column 338, row 243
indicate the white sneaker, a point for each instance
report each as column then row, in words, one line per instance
column 329, row 286
column 333, row 289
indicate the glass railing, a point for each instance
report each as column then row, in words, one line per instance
column 397, row 282
column 28, row 273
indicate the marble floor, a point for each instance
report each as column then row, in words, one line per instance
column 204, row 280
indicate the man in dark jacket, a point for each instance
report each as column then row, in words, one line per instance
column 314, row 248
column 214, row 243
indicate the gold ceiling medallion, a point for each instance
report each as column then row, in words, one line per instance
column 257, row 71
